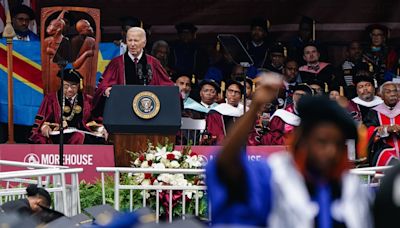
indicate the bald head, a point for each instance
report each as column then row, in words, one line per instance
column 83, row 27
column 135, row 40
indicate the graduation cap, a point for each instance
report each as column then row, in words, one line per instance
column 185, row 27
column 61, row 222
column 386, row 207
column 303, row 87
column 211, row 83
column 321, row 84
column 278, row 48
column 260, row 22
column 131, row 21
column 81, row 219
column 23, row 9
column 13, row 220
column 314, row 110
column 362, row 78
column 337, row 88
column 312, row 44
column 380, row 27
column 176, row 76
column 71, row 75
column 103, row 214
column 248, row 80
column 47, row 215
column 235, row 82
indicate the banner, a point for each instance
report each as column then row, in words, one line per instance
column 89, row 157
column 28, row 86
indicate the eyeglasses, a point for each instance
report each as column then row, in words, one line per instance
column 72, row 86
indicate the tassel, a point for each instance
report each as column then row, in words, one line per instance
column 284, row 51
column 313, row 30
column 362, row 144
column 218, row 46
column 81, row 84
column 341, row 91
column 371, row 67
column 326, row 87
column 375, row 83
column 141, row 24
column 254, row 87
column 268, row 24
column 398, row 71
column 193, row 79
column 222, row 89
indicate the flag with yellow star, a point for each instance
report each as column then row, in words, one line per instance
column 27, row 78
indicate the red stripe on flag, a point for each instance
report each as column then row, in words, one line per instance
column 24, row 69
column 2, row 13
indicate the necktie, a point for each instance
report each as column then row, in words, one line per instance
column 136, row 60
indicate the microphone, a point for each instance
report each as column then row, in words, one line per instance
column 139, row 71
column 149, row 73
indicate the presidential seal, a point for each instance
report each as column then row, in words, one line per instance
column 146, row 105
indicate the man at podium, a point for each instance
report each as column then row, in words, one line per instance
column 134, row 67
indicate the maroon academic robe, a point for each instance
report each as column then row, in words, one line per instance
column 115, row 75
column 281, row 124
column 49, row 111
column 220, row 118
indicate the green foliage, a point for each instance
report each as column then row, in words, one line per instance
column 91, row 195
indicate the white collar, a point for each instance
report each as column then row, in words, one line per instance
column 257, row 45
column 228, row 110
column 72, row 98
column 206, row 105
column 287, row 117
column 133, row 57
column 376, row 101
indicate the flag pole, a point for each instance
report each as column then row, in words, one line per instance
column 9, row 34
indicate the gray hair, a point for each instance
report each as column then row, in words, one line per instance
column 138, row 30
column 159, row 43
column 386, row 84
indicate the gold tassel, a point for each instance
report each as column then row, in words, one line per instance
column 193, row 79
column 268, row 24
column 362, row 144
column 371, row 67
column 254, row 87
column 326, row 87
column 81, row 84
column 218, row 46
column 222, row 89
column 341, row 91
column 222, row 86
column 141, row 24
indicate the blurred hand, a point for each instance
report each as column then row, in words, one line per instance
column 107, row 92
column 267, row 91
column 46, row 131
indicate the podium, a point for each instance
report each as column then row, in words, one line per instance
column 134, row 115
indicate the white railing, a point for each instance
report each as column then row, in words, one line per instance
column 66, row 196
column 373, row 174
column 157, row 188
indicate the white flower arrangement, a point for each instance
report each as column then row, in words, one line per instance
column 164, row 157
